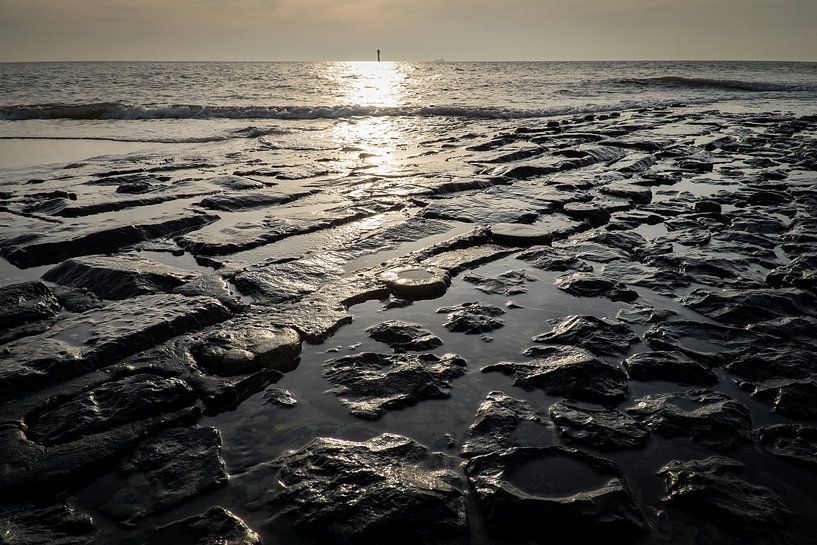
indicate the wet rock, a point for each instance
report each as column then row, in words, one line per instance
column 209, row 285
column 496, row 422
column 800, row 273
column 713, row 489
column 552, row 259
column 790, row 329
column 473, row 318
column 663, row 281
column 706, row 342
column 773, row 363
column 743, row 307
column 600, row 336
column 584, row 284
column 98, row 238
column 601, row 429
column 635, row 163
column 216, row 526
column 27, row 302
column 370, row 384
column 275, row 395
column 242, row 349
column 670, row 367
column 566, row 371
column 696, row 165
column 166, row 470
column 711, row 418
column 794, row 398
column 236, row 183
column 57, row 524
column 117, row 276
column 589, row 502
column 457, row 261
column 636, row 193
column 83, row 342
column 279, row 282
column 368, row 492
column 404, row 335
column 77, row 299
column 644, row 314
column 410, row 282
column 795, row 443
column 486, row 207
column 245, row 200
column 545, row 230
column 507, row 283
column 109, row 405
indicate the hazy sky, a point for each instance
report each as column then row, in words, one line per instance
column 407, row 29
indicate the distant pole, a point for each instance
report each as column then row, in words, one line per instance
column 378, row 55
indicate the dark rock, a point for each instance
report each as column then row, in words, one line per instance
column 507, row 283
column 772, row 363
column 109, row 405
column 636, row 193
column 668, row 366
column 663, row 281
column 280, row 282
column 696, row 165
column 370, row 384
column 792, row 442
column 209, row 285
column 643, row 314
column 369, row 492
column 711, row 418
column 216, row 526
column 584, row 284
column 404, row 335
column 473, row 318
column 236, row 183
column 240, row 350
column 456, row 261
column 83, row 342
column 117, row 277
column 706, row 342
column 414, row 283
column 794, row 398
column 566, row 371
column 26, row 302
column 77, row 299
column 245, row 200
column 487, row 207
column 56, row 524
column 552, row 259
column 497, row 420
column 521, row 500
column 789, row 329
column 800, row 273
column 604, row 337
column 601, row 429
column 101, row 237
column 166, row 470
column 279, row 396
column 545, row 230
column 743, row 307
column 706, row 206
column 635, row 164
column 712, row 489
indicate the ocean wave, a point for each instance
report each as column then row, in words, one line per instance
column 116, row 110
column 682, row 82
column 246, row 132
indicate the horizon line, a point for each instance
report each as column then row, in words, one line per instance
column 440, row 60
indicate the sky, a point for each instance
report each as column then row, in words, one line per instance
column 40, row 30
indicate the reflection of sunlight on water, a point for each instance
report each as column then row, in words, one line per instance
column 376, row 138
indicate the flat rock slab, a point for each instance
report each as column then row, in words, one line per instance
column 247, row 200
column 584, row 284
column 118, row 276
column 415, row 282
column 707, row 342
column 552, row 259
column 94, row 338
column 710, row 418
column 713, row 489
column 600, row 336
column 519, row 497
column 215, row 526
column 473, row 318
column 543, row 231
column 744, row 307
column 279, row 282
column 601, row 429
column 404, row 335
column 367, row 492
column 100, row 237
column 56, row 524
column 26, row 302
column 566, row 371
column 792, row 442
column 498, row 419
column 166, row 470
column 370, row 384
column 240, row 349
column 669, row 366
column 508, row 283
column 486, row 208
column 792, row 398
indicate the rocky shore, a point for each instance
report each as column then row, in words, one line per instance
column 591, row 329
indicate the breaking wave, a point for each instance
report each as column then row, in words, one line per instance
column 681, row 82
